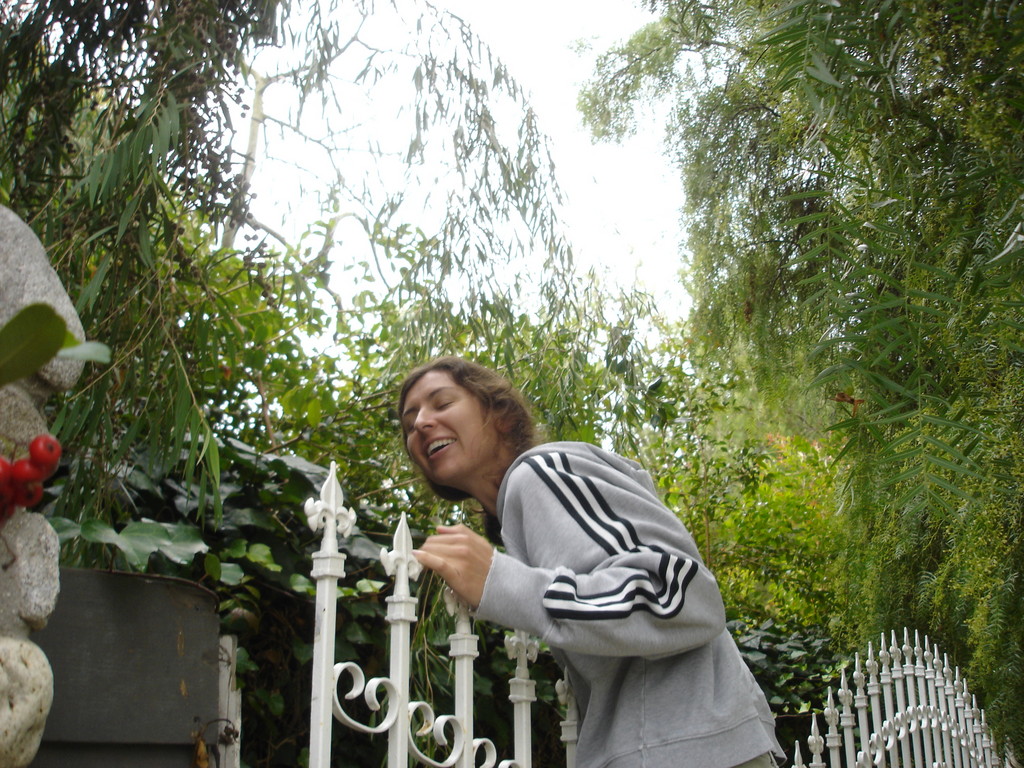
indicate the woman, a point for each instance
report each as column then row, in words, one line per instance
column 596, row 566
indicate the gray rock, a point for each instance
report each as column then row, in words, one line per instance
column 30, row 579
column 26, row 694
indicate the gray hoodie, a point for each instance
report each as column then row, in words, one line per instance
column 602, row 571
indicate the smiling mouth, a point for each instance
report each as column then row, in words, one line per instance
column 437, row 445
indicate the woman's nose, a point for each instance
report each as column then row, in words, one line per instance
column 424, row 420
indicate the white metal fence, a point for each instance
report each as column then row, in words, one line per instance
column 906, row 709
column 451, row 733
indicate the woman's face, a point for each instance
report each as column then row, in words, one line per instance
column 451, row 438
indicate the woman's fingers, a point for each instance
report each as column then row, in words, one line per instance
column 459, row 556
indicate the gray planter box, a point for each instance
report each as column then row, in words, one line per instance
column 138, row 669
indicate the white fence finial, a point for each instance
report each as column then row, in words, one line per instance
column 400, row 557
column 329, row 513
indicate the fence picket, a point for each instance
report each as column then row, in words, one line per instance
column 846, row 720
column 951, row 712
column 833, row 740
column 463, row 644
column 522, row 693
column 860, row 703
column 889, row 731
column 815, row 744
column 327, row 514
column 874, row 695
column 570, row 725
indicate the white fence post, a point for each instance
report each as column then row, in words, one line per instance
column 860, row 703
column 230, row 704
column 401, row 565
column 463, row 649
column 833, row 740
column 329, row 515
column 522, row 694
column 846, row 720
column 570, row 726
column 874, row 689
column 888, row 731
column 923, row 708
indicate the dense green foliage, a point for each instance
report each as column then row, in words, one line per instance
column 853, row 177
column 242, row 366
column 757, row 502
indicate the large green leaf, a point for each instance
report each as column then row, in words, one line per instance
column 28, row 341
column 140, row 539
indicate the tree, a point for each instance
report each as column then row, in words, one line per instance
column 852, row 198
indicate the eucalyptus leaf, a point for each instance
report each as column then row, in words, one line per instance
column 88, row 351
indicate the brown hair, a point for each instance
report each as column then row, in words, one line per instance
column 499, row 398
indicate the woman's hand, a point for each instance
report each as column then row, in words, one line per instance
column 461, row 557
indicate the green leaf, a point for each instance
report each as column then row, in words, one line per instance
column 275, row 703
column 819, row 71
column 231, row 574
column 301, row 584
column 28, row 341
column 212, row 566
column 235, row 549
column 261, row 555
column 66, row 529
column 99, row 532
column 139, row 540
column 184, row 544
column 88, row 351
column 371, row 586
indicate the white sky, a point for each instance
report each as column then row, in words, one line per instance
column 624, row 200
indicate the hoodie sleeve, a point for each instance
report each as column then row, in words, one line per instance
column 596, row 564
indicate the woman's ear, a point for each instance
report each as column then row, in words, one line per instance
column 503, row 423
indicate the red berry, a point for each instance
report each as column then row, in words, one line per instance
column 28, row 495
column 44, row 451
column 24, row 471
column 5, row 473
